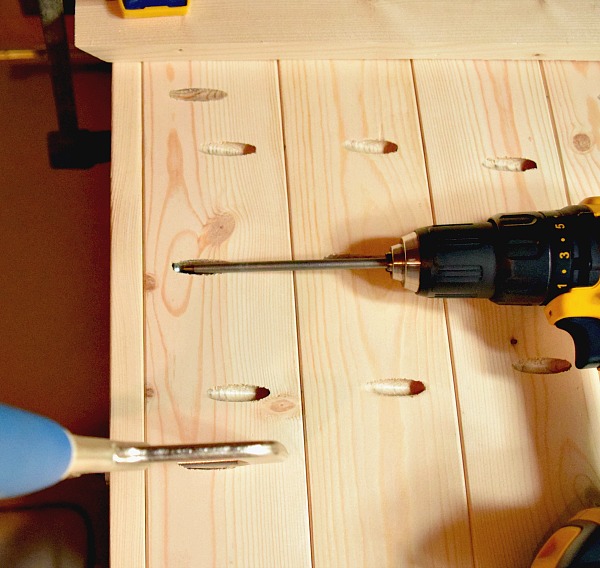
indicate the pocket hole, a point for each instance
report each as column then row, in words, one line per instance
column 197, row 95
column 509, row 164
column 395, row 387
column 371, row 146
column 227, row 149
column 542, row 366
column 238, row 393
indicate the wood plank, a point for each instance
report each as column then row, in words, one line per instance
column 574, row 89
column 346, row 29
column 386, row 478
column 127, row 490
column 530, row 460
column 219, row 330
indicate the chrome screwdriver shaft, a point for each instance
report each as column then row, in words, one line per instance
column 331, row 263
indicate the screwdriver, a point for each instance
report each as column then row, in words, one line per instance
column 547, row 258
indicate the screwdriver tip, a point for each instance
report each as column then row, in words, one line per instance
column 198, row 266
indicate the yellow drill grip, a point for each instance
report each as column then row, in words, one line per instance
column 577, row 302
column 577, row 311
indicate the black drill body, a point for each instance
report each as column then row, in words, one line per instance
column 517, row 259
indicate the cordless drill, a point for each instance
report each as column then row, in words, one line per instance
column 547, row 258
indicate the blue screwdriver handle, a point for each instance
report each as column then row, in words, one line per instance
column 35, row 452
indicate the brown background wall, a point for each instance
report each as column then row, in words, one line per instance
column 54, row 262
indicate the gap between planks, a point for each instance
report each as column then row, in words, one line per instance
column 296, row 77
column 463, row 456
column 561, row 159
column 296, row 322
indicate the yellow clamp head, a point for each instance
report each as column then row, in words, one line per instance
column 152, row 8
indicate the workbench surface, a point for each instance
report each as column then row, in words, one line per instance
column 475, row 471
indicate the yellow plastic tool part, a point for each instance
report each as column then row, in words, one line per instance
column 577, row 302
column 562, row 547
column 153, row 11
column 550, row 554
column 592, row 515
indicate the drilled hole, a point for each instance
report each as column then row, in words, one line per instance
column 369, row 146
column 509, row 164
column 395, row 387
column 227, row 149
column 542, row 366
column 238, row 393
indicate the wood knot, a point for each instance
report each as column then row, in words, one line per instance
column 582, row 142
column 149, row 282
column 218, row 229
column 149, row 392
column 283, row 406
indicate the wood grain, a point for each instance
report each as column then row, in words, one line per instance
column 386, row 478
column 346, row 29
column 387, row 484
column 127, row 490
column 574, row 90
column 530, row 456
column 206, row 332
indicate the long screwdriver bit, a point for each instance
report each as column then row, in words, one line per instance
column 201, row 266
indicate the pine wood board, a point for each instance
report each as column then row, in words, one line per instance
column 208, row 332
column 527, row 444
column 378, row 491
column 380, row 468
column 127, row 490
column 346, row 29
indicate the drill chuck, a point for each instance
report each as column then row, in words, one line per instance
column 405, row 262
